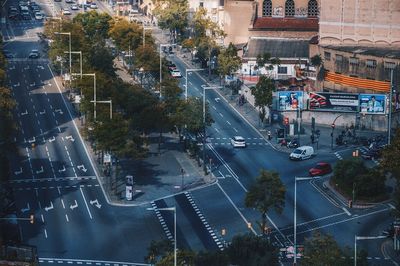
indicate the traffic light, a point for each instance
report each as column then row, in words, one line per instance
column 32, row 219
column 286, row 120
column 223, row 231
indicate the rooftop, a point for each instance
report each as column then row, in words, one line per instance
column 293, row 48
column 384, row 52
column 286, row 24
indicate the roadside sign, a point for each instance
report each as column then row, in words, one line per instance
column 128, row 192
column 107, row 158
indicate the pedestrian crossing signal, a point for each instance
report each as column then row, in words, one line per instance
column 32, row 219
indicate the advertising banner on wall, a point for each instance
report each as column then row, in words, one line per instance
column 372, row 103
column 337, row 102
column 290, row 100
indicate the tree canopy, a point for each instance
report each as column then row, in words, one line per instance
column 262, row 93
column 268, row 192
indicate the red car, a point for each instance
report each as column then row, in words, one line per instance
column 320, row 169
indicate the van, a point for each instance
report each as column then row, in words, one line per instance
column 302, row 153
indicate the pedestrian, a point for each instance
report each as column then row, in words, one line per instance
column 312, row 138
column 269, row 135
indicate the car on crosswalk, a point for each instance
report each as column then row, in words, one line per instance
column 34, row 54
column 238, row 142
column 39, row 16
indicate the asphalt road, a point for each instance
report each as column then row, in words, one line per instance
column 55, row 180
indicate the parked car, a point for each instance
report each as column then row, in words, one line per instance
column 302, row 153
column 320, row 169
column 66, row 12
column 93, row 6
column 34, row 54
column 171, row 66
column 25, row 15
column 372, row 154
column 69, row 1
column 74, row 7
column 238, row 142
column 176, row 73
column 38, row 16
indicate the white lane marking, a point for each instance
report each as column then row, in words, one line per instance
column 235, row 130
column 74, row 206
column 214, row 107
column 62, row 202
column 228, row 122
column 66, row 217
column 87, row 207
column 221, row 114
column 216, row 129
column 97, row 262
column 236, row 208
column 50, row 207
column 346, row 211
column 42, row 218
column 45, row 233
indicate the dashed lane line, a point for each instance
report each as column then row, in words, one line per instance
column 89, row 262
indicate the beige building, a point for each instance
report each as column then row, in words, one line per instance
column 359, row 42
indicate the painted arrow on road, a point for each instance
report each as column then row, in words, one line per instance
column 40, row 171
column 52, row 139
column 50, row 207
column 32, row 140
column 96, row 203
column 43, row 112
column 25, row 113
column 62, row 170
column 70, row 138
column 217, row 99
column 82, row 168
column 32, row 84
column 18, row 172
column 58, row 111
column 28, row 208
column 74, row 206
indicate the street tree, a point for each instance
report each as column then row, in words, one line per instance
column 127, row 36
column 322, row 250
column 253, row 250
column 7, row 125
column 206, row 33
column 390, row 152
column 266, row 61
column 184, row 257
column 147, row 58
column 172, row 15
column 193, row 115
column 317, row 62
column 262, row 93
column 215, row 258
column 158, row 250
column 228, row 61
column 268, row 192
column 345, row 173
column 95, row 25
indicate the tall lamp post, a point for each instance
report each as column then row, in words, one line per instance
column 204, row 123
column 390, row 108
column 333, row 128
column 174, row 210
column 295, row 216
column 94, row 94
column 186, row 79
column 363, row 238
column 80, row 60
column 144, row 35
column 69, row 35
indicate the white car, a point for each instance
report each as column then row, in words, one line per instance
column 93, row 6
column 176, row 73
column 66, row 12
column 34, row 54
column 38, row 16
column 74, row 7
column 238, row 142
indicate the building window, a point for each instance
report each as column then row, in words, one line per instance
column 289, row 8
column 390, row 65
column 201, row 4
column 371, row 63
column 354, row 61
column 339, row 58
column 282, row 70
column 327, row 56
column 267, row 8
column 313, row 8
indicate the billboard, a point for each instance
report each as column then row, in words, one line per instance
column 372, row 103
column 290, row 100
column 337, row 102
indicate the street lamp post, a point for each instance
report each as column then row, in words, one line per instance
column 69, row 35
column 144, row 35
column 186, row 79
column 80, row 58
column 204, row 123
column 362, row 238
column 295, row 216
column 109, row 102
column 333, row 128
column 94, row 94
column 174, row 210
column 390, row 108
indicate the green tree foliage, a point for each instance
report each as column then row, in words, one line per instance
column 228, row 61
column 214, row 258
column 95, row 25
column 7, row 126
column 265, row 60
column 147, row 58
column 262, row 93
column 268, row 192
column 368, row 183
column 251, row 250
column 158, row 250
column 192, row 114
column 184, row 257
column 389, row 153
column 172, row 14
column 127, row 36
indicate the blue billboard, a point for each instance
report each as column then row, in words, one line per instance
column 372, row 103
column 290, row 100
